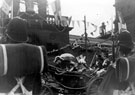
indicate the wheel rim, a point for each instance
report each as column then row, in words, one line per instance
column 46, row 91
column 93, row 86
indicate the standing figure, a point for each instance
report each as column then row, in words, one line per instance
column 102, row 29
column 116, row 78
column 120, row 75
column 16, row 33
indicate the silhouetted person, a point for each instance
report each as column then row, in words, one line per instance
column 116, row 77
column 102, row 29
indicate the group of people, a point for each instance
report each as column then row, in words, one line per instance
column 120, row 75
column 122, row 69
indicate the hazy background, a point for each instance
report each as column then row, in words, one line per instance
column 96, row 12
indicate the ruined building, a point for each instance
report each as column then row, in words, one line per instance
column 127, row 7
column 42, row 27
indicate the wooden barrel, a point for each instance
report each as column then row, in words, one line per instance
column 22, row 59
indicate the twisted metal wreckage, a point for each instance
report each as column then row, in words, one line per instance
column 56, row 78
column 74, row 76
column 30, row 69
column 61, row 76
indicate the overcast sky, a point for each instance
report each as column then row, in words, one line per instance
column 96, row 12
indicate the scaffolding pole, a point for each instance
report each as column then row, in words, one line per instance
column 86, row 38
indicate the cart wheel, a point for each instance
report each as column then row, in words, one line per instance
column 46, row 91
column 93, row 86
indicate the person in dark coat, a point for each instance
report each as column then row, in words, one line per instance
column 16, row 33
column 113, row 79
column 103, row 29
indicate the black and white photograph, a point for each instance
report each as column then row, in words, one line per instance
column 67, row 47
